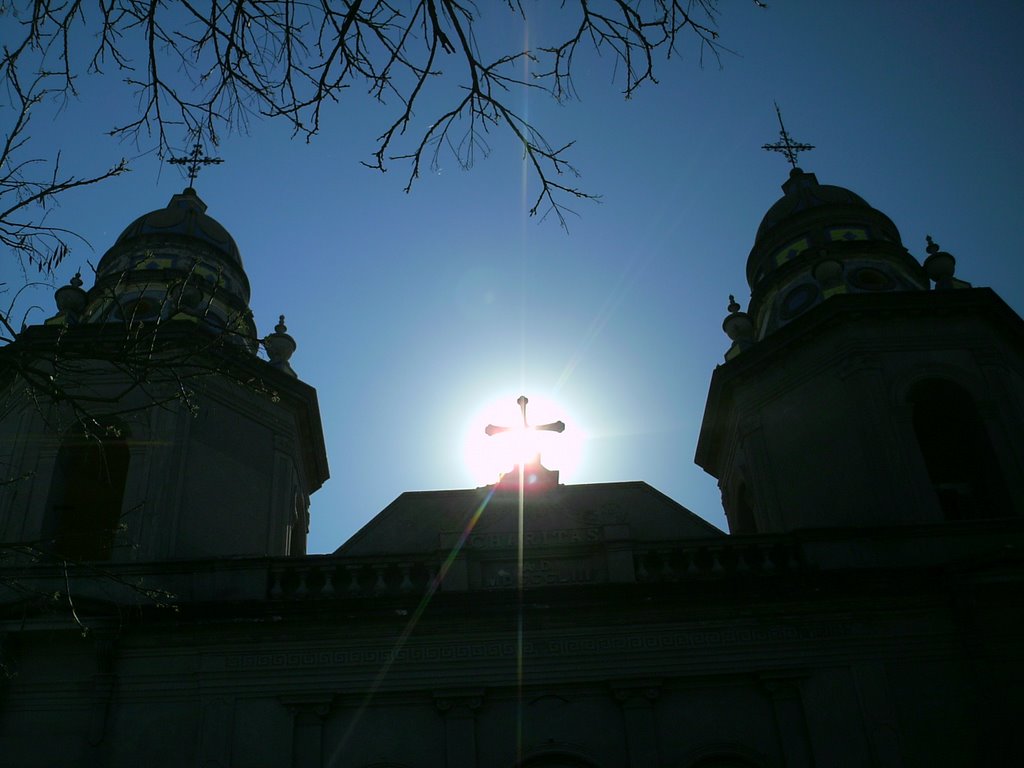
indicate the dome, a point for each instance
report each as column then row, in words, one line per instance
column 810, row 217
column 803, row 192
column 170, row 242
column 814, row 243
column 185, row 216
column 175, row 262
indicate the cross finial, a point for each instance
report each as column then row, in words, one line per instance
column 786, row 145
column 554, row 426
column 194, row 161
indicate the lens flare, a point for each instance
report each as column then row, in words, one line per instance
column 486, row 457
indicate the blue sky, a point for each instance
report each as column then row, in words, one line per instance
column 413, row 311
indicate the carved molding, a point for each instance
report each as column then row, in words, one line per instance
column 459, row 702
column 444, row 652
column 858, row 362
column 634, row 694
column 318, row 704
column 783, row 683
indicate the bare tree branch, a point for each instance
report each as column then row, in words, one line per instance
column 30, row 186
column 200, row 68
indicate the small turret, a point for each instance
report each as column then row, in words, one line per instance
column 852, row 395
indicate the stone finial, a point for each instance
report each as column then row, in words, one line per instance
column 71, row 298
column 939, row 265
column 280, row 346
column 738, row 326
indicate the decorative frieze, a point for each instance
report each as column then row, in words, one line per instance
column 573, row 646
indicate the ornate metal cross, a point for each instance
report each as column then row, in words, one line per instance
column 786, row 145
column 554, row 426
column 194, row 161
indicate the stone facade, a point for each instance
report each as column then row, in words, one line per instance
column 863, row 611
column 880, row 647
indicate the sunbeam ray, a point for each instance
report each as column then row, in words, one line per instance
column 410, row 625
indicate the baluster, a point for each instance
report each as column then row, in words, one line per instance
column 717, row 566
column 329, row 578
column 381, row 584
column 353, row 574
column 275, row 584
column 667, row 571
column 406, row 585
column 641, row 569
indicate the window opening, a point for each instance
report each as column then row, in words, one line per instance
column 87, row 492
column 961, row 462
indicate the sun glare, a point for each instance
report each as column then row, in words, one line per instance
column 488, row 456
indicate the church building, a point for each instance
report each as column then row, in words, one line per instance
column 866, row 428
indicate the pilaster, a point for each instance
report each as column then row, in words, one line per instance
column 308, row 714
column 784, row 690
column 459, row 710
column 638, row 716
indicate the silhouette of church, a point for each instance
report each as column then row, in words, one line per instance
column 866, row 430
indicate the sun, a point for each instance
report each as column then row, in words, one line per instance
column 488, row 456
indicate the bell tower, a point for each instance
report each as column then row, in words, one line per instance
column 861, row 387
column 140, row 422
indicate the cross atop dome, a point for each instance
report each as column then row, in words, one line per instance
column 194, row 161
column 786, row 145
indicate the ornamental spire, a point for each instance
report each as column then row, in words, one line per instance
column 786, row 145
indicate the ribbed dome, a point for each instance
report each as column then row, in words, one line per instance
column 185, row 215
column 810, row 217
column 170, row 242
column 803, row 192
column 175, row 262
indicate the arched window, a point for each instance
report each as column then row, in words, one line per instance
column 962, row 465
column 87, row 491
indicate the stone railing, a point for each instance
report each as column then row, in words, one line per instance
column 332, row 577
column 686, row 560
column 335, row 576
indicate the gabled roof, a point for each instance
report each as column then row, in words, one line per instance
column 419, row 522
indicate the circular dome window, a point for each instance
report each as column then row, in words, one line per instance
column 798, row 300
column 142, row 309
column 871, row 279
